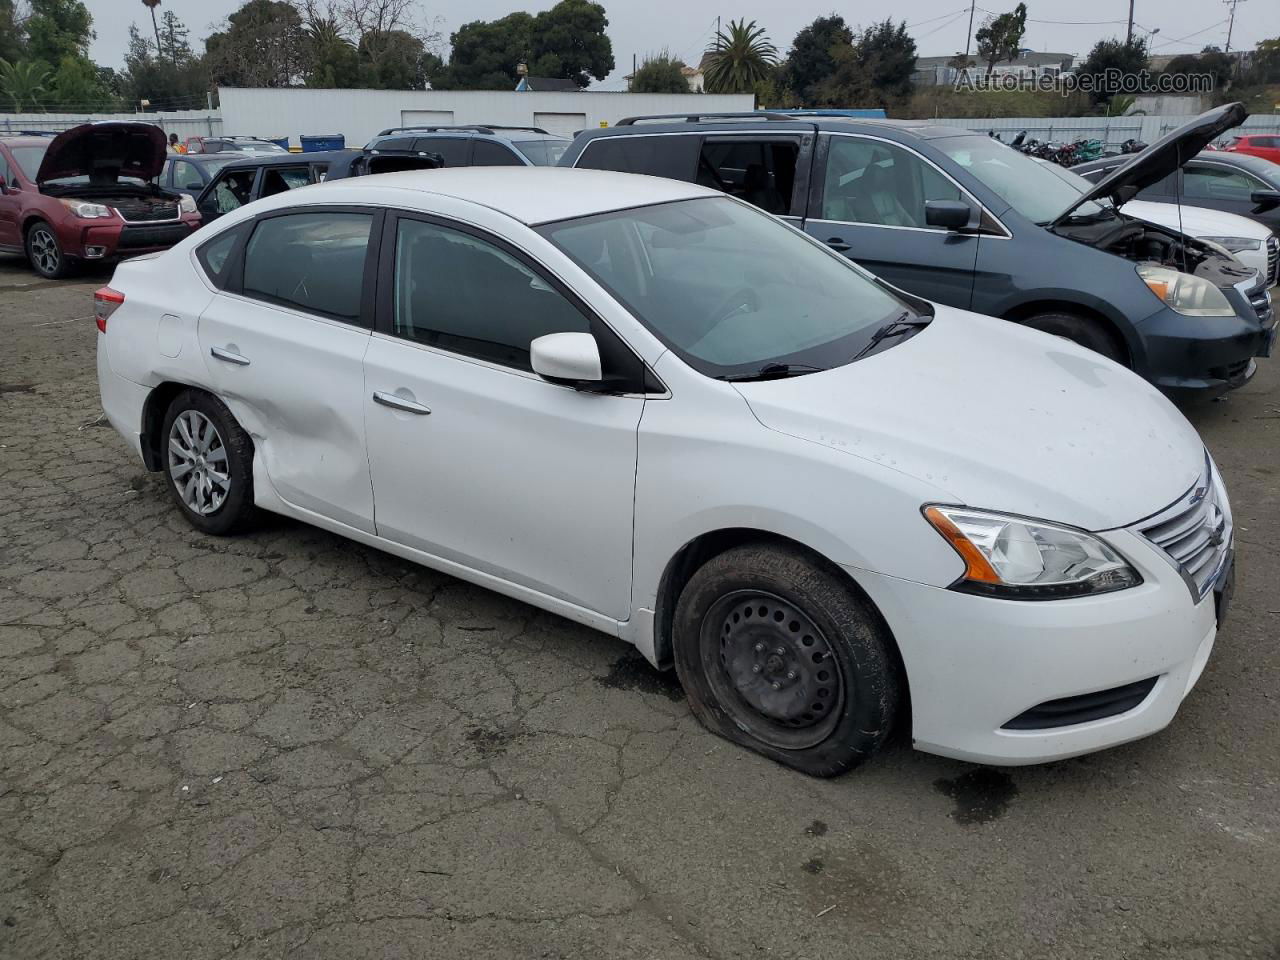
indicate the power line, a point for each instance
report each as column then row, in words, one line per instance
column 943, row 26
column 1165, row 43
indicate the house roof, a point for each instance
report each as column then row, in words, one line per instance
column 545, row 84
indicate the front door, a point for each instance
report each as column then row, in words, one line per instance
column 1224, row 187
column 285, row 345
column 10, row 234
column 477, row 460
column 868, row 203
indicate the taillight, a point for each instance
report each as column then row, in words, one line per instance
column 105, row 302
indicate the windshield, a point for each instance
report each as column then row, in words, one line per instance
column 545, row 153
column 1030, row 188
column 728, row 287
column 29, row 159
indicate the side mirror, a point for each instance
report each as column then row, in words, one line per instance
column 566, row 358
column 948, row 214
column 196, row 187
column 1265, row 200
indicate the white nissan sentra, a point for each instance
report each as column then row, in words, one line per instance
column 654, row 409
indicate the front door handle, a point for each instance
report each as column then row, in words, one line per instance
column 835, row 243
column 229, row 355
column 400, row 403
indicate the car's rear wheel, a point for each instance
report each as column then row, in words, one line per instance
column 45, row 252
column 1086, row 331
column 778, row 653
column 209, row 463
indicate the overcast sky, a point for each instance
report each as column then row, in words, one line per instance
column 686, row 26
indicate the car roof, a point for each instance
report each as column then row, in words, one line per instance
column 487, row 131
column 1264, row 168
column 286, row 159
column 781, row 123
column 532, row 195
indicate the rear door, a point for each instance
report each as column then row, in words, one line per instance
column 284, row 344
column 766, row 171
column 867, row 201
column 230, row 190
column 456, row 151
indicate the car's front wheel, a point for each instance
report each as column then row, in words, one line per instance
column 778, row 653
column 209, row 463
column 45, row 252
column 1086, row 331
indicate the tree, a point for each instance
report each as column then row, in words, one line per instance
column 167, row 84
column 151, row 5
column 888, row 55
column 173, row 43
column 261, row 45
column 660, row 74
column 1266, row 61
column 77, row 85
column 569, row 42
column 813, row 55
column 1126, row 57
column 22, row 84
column 13, row 38
column 57, row 29
column 486, row 53
column 739, row 58
column 1000, row 38
column 393, row 61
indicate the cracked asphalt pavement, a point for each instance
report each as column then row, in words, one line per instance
column 288, row 745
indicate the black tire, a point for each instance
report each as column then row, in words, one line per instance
column 45, row 253
column 816, row 690
column 234, row 510
column 1092, row 334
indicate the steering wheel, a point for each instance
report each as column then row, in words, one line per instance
column 735, row 301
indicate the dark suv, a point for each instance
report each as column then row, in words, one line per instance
column 962, row 219
column 484, row 145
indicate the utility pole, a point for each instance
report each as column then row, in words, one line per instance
column 969, row 36
column 1232, row 22
column 1128, row 37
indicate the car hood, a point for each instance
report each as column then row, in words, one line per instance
column 1162, row 157
column 998, row 416
column 104, row 152
column 1196, row 221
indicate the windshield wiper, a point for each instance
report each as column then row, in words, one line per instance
column 900, row 325
column 772, row 371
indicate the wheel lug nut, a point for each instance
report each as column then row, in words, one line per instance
column 756, row 668
column 781, row 651
column 791, row 674
column 759, row 648
column 776, row 685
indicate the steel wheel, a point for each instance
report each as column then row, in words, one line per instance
column 44, row 250
column 772, row 669
column 198, row 462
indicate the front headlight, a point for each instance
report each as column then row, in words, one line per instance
column 1188, row 295
column 86, row 210
column 1235, row 244
column 1020, row 559
column 187, row 204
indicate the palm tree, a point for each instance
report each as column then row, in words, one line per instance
column 151, row 5
column 23, row 82
column 738, row 59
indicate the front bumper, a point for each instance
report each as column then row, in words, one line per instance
column 975, row 663
column 1203, row 357
column 111, row 239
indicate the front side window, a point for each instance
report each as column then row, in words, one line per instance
column 455, row 151
column 186, row 176
column 5, row 175
column 460, row 293
column 1027, row 185
column 234, row 190
column 674, row 156
column 490, row 154
column 1216, row 183
column 278, row 180
column 312, row 261
column 542, row 153
column 763, row 173
column 29, row 159
column 729, row 288
column 870, row 181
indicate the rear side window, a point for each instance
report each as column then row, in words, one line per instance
column 311, row 261
column 215, row 256
column 279, row 179
column 674, row 157
column 761, row 172
column 399, row 143
column 490, row 154
column 456, row 151
column 234, row 190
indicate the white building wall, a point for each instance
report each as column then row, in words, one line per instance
column 360, row 114
column 185, row 123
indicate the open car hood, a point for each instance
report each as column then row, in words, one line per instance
column 104, row 152
column 1161, row 158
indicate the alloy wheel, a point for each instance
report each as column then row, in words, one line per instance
column 772, row 668
column 198, row 462
column 44, row 250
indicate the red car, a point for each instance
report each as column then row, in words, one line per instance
column 88, row 194
column 1266, row 146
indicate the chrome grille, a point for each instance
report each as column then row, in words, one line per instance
column 1273, row 260
column 1195, row 532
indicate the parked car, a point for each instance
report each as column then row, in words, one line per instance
column 656, row 410
column 244, row 181
column 960, row 218
column 1219, row 180
column 190, row 174
column 485, row 145
column 1266, row 146
column 1247, row 240
column 226, row 144
column 87, row 194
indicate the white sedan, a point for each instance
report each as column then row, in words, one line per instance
column 658, row 411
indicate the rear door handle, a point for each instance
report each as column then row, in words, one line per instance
column 229, row 355
column 400, row 403
column 835, row 243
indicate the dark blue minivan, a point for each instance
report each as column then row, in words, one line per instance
column 964, row 220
